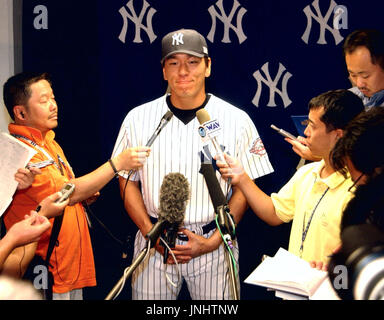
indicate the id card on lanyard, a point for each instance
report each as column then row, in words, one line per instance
column 60, row 164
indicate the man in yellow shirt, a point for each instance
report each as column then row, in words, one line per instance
column 315, row 196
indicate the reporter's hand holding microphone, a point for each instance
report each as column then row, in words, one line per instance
column 232, row 169
column 131, row 158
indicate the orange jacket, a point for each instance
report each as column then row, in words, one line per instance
column 72, row 259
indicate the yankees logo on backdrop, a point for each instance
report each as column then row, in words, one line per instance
column 137, row 21
column 149, row 11
column 340, row 14
column 272, row 85
column 227, row 21
column 218, row 13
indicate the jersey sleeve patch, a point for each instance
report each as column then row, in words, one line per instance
column 258, row 148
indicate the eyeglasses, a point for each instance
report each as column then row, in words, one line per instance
column 355, row 183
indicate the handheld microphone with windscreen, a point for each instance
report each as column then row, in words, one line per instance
column 174, row 196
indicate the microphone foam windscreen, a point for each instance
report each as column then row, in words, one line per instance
column 174, row 194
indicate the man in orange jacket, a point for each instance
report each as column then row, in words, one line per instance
column 30, row 101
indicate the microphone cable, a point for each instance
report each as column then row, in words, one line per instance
column 176, row 264
column 125, row 274
column 227, row 243
column 102, row 224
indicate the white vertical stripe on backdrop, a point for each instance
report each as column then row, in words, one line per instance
column 6, row 55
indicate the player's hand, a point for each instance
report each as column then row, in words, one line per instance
column 300, row 148
column 231, row 168
column 195, row 247
column 26, row 176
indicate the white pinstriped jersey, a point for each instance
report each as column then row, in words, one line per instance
column 179, row 148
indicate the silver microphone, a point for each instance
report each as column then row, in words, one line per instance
column 203, row 117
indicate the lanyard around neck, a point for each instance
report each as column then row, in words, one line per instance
column 304, row 234
column 58, row 164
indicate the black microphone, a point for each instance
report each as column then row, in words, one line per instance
column 163, row 122
column 174, row 194
column 218, row 200
column 214, row 189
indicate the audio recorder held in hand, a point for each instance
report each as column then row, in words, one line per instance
column 66, row 191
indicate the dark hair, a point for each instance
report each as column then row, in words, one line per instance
column 17, row 90
column 373, row 40
column 340, row 107
column 359, row 144
column 367, row 206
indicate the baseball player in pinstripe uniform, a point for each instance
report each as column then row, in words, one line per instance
column 179, row 148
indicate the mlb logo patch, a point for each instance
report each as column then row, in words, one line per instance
column 258, row 148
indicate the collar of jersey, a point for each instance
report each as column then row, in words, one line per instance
column 185, row 116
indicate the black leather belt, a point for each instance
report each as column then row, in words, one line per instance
column 207, row 228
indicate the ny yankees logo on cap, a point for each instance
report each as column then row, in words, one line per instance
column 183, row 41
column 177, row 39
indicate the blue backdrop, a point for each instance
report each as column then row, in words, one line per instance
column 269, row 58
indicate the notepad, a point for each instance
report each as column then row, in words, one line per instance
column 14, row 154
column 287, row 273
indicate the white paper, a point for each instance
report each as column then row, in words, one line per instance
column 325, row 292
column 289, row 296
column 14, row 155
column 287, row 272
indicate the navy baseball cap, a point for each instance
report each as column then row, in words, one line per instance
column 184, row 41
